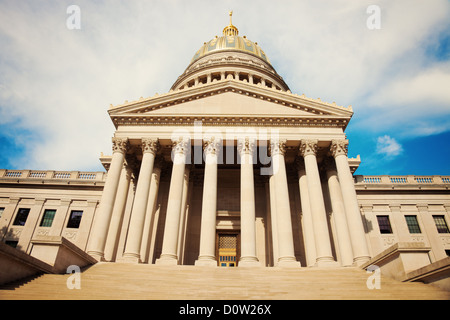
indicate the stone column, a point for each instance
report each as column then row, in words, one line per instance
column 169, row 256
column 103, row 217
column 355, row 225
column 136, row 228
column 340, row 220
column 324, row 257
column 118, row 211
column 307, row 224
column 149, row 216
column 273, row 219
column 286, row 254
column 248, row 258
column 207, row 255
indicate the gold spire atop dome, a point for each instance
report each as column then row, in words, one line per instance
column 230, row 30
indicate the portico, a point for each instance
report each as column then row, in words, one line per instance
column 229, row 147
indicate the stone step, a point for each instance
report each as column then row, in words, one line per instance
column 133, row 281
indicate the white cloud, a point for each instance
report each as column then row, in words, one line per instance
column 388, row 146
column 59, row 82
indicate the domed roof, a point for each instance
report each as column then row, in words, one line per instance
column 230, row 41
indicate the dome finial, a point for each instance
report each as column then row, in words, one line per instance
column 230, row 30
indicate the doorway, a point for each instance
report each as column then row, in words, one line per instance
column 228, row 248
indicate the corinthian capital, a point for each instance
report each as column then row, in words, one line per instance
column 308, row 147
column 120, row 145
column 180, row 145
column 150, row 145
column 211, row 145
column 277, row 147
column 339, row 147
column 246, row 145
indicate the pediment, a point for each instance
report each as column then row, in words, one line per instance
column 230, row 100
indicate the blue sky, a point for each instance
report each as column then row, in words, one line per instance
column 56, row 84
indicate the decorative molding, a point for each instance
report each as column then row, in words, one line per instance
column 180, row 146
column 277, row 147
column 150, row 145
column 246, row 145
column 120, row 145
column 211, row 145
column 308, row 147
column 339, row 147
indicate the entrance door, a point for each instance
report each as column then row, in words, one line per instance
column 228, row 248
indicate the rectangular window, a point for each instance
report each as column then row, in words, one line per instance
column 384, row 224
column 413, row 224
column 12, row 243
column 1, row 211
column 47, row 218
column 74, row 219
column 21, row 217
column 441, row 225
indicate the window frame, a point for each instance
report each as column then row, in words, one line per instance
column 414, row 227
column 383, row 227
column 74, row 223
column 19, row 217
column 441, row 227
column 47, row 220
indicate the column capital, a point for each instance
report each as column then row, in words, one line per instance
column 277, row 146
column 211, row 145
column 339, row 147
column 308, row 147
column 120, row 145
column 180, row 145
column 246, row 145
column 150, row 145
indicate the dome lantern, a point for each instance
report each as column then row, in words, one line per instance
column 230, row 30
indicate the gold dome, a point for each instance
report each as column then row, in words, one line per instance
column 230, row 41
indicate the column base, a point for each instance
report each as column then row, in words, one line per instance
column 130, row 258
column 249, row 262
column 326, row 262
column 288, row 262
column 167, row 260
column 97, row 255
column 359, row 261
column 206, row 262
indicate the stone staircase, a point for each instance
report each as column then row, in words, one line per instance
column 140, row 281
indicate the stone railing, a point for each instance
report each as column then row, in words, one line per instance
column 55, row 176
column 401, row 180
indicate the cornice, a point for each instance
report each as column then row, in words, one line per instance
column 143, row 107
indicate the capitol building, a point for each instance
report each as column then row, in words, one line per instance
column 227, row 170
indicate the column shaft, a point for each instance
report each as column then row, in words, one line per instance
column 284, row 224
column 340, row 220
column 117, row 214
column 103, row 217
column 354, row 220
column 324, row 255
column 207, row 255
column 248, row 216
column 135, row 231
column 150, row 216
column 172, row 224
column 307, row 224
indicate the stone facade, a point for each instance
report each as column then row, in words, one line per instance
column 228, row 168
